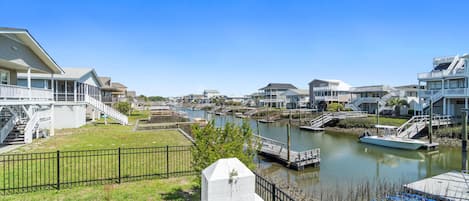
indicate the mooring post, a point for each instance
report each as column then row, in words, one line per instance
column 464, row 140
column 430, row 124
column 288, row 143
column 377, row 117
column 257, row 127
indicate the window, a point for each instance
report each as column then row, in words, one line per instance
column 4, row 77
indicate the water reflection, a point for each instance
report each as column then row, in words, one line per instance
column 344, row 159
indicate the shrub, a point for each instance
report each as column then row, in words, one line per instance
column 335, row 107
column 123, row 107
column 213, row 143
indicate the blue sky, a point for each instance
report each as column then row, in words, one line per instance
column 176, row 47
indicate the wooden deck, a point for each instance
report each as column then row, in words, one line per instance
column 447, row 186
column 278, row 150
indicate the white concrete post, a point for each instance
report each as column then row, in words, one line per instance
column 444, row 106
column 52, row 87
column 230, row 180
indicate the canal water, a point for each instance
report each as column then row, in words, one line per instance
column 344, row 159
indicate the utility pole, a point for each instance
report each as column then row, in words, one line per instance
column 430, row 124
column 377, row 117
column 464, row 140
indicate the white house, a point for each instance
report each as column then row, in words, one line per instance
column 296, row 98
column 25, row 111
column 77, row 95
column 323, row 92
column 370, row 98
column 445, row 86
column 273, row 95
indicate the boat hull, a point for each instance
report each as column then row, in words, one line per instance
column 410, row 145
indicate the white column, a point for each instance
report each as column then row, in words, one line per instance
column 75, row 91
column 56, row 90
column 444, row 106
column 65, row 81
column 45, row 84
column 52, row 87
column 29, row 82
column 52, row 121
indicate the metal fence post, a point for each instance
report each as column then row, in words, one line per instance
column 273, row 191
column 167, row 161
column 58, row 170
column 119, row 161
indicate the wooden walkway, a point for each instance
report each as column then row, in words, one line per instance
column 447, row 186
column 278, row 150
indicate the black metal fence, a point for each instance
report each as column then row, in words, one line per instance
column 64, row 169
column 20, row 173
column 269, row 191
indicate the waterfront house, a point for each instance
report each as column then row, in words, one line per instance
column 112, row 92
column 77, row 95
column 409, row 93
column 25, row 111
column 296, row 98
column 370, row 98
column 273, row 95
column 445, row 86
column 324, row 92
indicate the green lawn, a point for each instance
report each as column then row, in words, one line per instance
column 77, row 166
column 180, row 188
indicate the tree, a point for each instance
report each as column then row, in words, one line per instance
column 335, row 107
column 123, row 107
column 213, row 143
column 397, row 103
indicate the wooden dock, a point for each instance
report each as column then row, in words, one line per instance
column 279, row 151
column 447, row 186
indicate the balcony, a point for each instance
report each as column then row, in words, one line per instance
column 456, row 92
column 19, row 93
column 439, row 75
column 326, row 98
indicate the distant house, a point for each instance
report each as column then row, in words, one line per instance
column 273, row 95
column 296, row 98
column 324, row 92
column 370, row 98
column 112, row 92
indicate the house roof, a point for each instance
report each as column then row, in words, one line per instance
column 301, row 92
column 278, row 86
column 24, row 37
column 211, row 91
column 341, row 85
column 117, row 85
column 105, row 80
column 69, row 74
column 372, row 88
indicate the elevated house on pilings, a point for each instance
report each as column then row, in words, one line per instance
column 446, row 85
column 77, row 96
column 26, row 112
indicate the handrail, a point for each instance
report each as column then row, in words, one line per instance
column 20, row 92
column 32, row 124
column 111, row 112
column 7, row 128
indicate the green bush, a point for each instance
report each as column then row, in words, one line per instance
column 356, row 123
column 212, row 143
column 335, row 107
column 123, row 107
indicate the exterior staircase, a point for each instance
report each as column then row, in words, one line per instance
column 16, row 136
column 417, row 123
column 109, row 111
column 325, row 118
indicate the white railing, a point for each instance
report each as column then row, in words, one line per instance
column 415, row 124
column 33, row 124
column 12, row 92
column 433, row 74
column 7, row 128
column 109, row 111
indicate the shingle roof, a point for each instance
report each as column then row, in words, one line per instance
column 342, row 86
column 278, row 86
column 118, row 85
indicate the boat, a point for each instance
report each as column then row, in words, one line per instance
column 391, row 141
column 240, row 115
column 267, row 120
column 200, row 121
